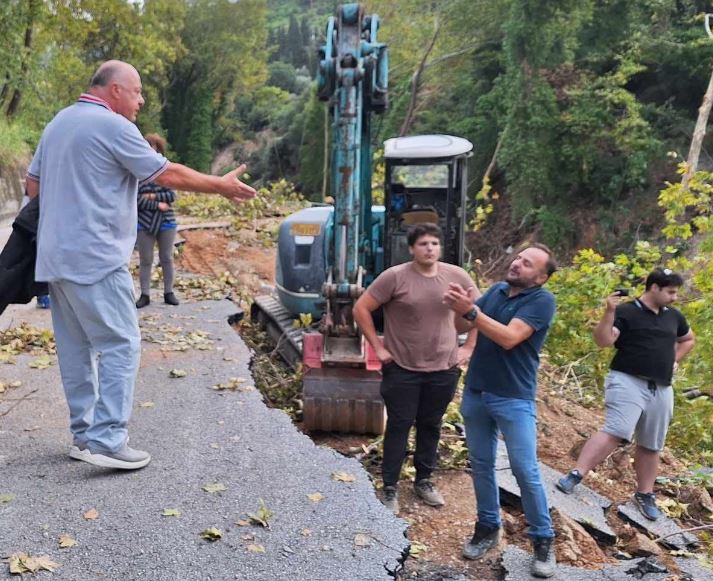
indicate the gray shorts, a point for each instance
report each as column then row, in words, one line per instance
column 634, row 410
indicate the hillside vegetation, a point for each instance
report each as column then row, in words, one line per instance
column 580, row 112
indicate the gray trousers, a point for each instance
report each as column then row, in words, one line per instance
column 145, row 241
column 98, row 348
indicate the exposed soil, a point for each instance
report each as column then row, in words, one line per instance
column 213, row 252
column 564, row 426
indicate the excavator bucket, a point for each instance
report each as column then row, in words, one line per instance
column 341, row 399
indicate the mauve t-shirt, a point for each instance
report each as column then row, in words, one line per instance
column 419, row 329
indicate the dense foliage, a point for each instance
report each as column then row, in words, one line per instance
column 578, row 111
column 572, row 105
column 581, row 288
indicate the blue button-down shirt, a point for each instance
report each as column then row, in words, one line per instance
column 511, row 373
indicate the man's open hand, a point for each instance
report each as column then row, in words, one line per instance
column 458, row 299
column 235, row 190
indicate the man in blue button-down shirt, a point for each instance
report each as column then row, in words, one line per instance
column 512, row 319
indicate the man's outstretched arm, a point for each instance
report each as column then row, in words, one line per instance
column 180, row 177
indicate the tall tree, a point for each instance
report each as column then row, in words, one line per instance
column 226, row 56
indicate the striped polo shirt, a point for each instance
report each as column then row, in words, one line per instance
column 89, row 164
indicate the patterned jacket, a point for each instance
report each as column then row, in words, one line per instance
column 150, row 217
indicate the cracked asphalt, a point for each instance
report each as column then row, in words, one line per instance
column 197, row 436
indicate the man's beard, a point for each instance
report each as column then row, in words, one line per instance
column 518, row 282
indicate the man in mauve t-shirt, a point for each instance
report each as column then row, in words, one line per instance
column 420, row 356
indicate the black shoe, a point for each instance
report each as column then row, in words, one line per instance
column 143, row 301
column 170, row 299
column 544, row 563
column 483, row 540
column 391, row 499
column 646, row 503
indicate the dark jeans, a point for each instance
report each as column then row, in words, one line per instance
column 420, row 398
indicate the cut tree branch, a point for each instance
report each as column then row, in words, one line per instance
column 416, row 82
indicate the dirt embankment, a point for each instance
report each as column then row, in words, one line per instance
column 438, row 535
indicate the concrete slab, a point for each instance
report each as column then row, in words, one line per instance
column 584, row 506
column 694, row 569
column 662, row 527
column 197, row 436
column 516, row 563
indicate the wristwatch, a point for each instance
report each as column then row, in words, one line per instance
column 471, row 315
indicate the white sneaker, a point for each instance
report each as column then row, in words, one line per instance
column 78, row 452
column 124, row 459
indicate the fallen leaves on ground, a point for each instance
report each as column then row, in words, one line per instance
column 91, row 514
column 215, row 487
column 24, row 563
column 362, row 540
column 340, row 476
column 315, row 497
column 212, row 534
column 7, row 386
column 234, row 383
column 5, row 498
column 147, row 404
column 171, row 512
column 672, row 508
column 416, row 550
column 27, row 339
column 172, row 338
column 42, row 362
column 262, row 516
column 255, row 548
column 67, row 542
column 175, row 373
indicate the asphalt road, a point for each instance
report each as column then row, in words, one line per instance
column 197, row 436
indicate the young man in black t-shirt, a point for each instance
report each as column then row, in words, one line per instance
column 651, row 338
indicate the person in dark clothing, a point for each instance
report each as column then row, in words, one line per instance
column 156, row 223
column 651, row 338
column 17, row 260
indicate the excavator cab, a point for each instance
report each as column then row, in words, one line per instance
column 426, row 181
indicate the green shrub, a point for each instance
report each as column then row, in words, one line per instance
column 13, row 143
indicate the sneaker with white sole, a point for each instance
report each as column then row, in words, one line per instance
column 124, row 459
column 78, row 451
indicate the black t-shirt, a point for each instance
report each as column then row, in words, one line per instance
column 646, row 346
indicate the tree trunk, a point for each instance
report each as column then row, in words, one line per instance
column 14, row 105
column 416, row 83
column 698, row 134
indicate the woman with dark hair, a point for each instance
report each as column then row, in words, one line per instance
column 157, row 223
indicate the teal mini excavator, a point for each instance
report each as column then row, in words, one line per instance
column 327, row 255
